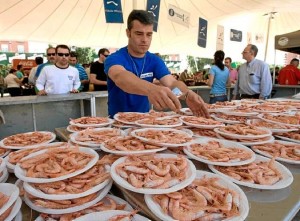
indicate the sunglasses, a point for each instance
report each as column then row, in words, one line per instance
column 63, row 54
column 106, row 55
column 51, row 54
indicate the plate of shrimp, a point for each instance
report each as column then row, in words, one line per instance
column 153, row 174
column 274, row 127
column 131, row 117
column 91, row 121
column 201, row 122
column 263, row 173
column 129, row 145
column 27, row 140
column 219, row 152
column 196, row 201
column 160, row 122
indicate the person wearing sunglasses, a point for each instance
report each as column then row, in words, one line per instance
column 60, row 78
column 98, row 77
column 51, row 56
column 131, row 71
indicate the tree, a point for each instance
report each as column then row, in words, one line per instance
column 85, row 55
column 197, row 63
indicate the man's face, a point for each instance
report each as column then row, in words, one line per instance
column 51, row 55
column 72, row 61
column 247, row 54
column 227, row 63
column 104, row 56
column 62, row 57
column 139, row 38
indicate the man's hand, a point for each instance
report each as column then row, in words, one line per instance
column 162, row 98
column 42, row 93
column 196, row 104
column 74, row 91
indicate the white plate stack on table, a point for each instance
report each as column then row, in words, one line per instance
column 159, row 122
column 219, row 152
column 95, row 137
column 293, row 136
column 109, row 202
column 153, row 174
column 263, row 173
column 274, row 127
column 245, row 134
column 27, row 140
column 64, row 179
column 201, row 122
column 3, row 171
column 4, row 152
column 196, row 201
column 14, row 157
column 83, row 123
column 287, row 152
column 10, row 204
column 292, row 121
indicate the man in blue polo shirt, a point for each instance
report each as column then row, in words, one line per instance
column 131, row 71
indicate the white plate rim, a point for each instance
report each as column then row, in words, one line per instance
column 179, row 123
column 14, row 190
column 224, row 120
column 276, row 122
column 200, row 125
column 249, row 143
column 238, row 136
column 110, row 121
column 15, row 210
column 274, row 130
column 116, row 117
column 287, row 139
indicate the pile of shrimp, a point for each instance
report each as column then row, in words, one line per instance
column 78, row 184
column 295, row 135
column 258, row 172
column 217, row 152
column 220, row 105
column 3, row 200
column 128, row 143
column 149, row 171
column 76, row 128
column 243, row 109
column 231, row 117
column 262, row 123
column 154, row 113
column 164, row 136
column 200, row 120
column 204, row 199
column 164, row 121
column 27, row 139
column 286, row 119
column 271, row 108
column 131, row 117
column 2, row 151
column 90, row 120
column 283, row 150
column 16, row 156
column 55, row 162
column 204, row 132
column 177, row 150
column 61, row 204
column 294, row 104
column 245, row 140
column 242, row 129
column 107, row 203
column 123, row 217
column 97, row 136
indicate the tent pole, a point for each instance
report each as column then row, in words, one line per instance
column 274, row 67
column 268, row 31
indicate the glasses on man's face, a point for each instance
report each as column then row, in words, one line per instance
column 106, row 55
column 50, row 54
column 63, row 54
column 245, row 52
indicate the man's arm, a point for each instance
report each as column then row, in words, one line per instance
column 40, row 83
column 161, row 97
column 95, row 81
column 266, row 82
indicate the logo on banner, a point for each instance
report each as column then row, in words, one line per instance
column 153, row 8
column 236, row 35
column 202, row 32
column 113, row 11
column 178, row 15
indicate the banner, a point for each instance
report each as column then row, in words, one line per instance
column 236, row 35
column 202, row 33
column 249, row 38
column 178, row 15
column 113, row 11
column 153, row 8
column 220, row 37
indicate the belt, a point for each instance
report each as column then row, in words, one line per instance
column 217, row 95
column 250, row 96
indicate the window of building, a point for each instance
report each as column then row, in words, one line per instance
column 4, row 47
column 21, row 49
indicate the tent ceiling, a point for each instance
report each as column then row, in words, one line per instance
column 82, row 22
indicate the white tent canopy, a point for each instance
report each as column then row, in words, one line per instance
column 82, row 23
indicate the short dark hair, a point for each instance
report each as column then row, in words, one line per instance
column 102, row 51
column 39, row 60
column 19, row 66
column 228, row 58
column 294, row 60
column 254, row 49
column 49, row 49
column 73, row 54
column 142, row 16
column 61, row 46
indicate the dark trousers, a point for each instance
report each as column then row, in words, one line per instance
column 254, row 96
column 222, row 98
column 14, row 91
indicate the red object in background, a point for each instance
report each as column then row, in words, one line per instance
column 27, row 64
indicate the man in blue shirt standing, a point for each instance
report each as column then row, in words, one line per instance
column 131, row 71
column 254, row 78
column 84, row 79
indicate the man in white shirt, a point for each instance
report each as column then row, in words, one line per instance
column 60, row 78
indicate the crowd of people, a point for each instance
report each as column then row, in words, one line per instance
column 129, row 73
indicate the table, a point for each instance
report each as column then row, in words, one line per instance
column 265, row 205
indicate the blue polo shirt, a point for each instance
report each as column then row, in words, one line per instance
column 147, row 68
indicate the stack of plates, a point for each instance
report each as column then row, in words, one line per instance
column 3, row 171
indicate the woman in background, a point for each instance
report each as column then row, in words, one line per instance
column 219, row 78
column 13, row 83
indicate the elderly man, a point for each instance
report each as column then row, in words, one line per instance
column 131, row 71
column 51, row 60
column 254, row 78
column 60, row 78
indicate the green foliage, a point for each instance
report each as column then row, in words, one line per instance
column 196, row 63
column 85, row 55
